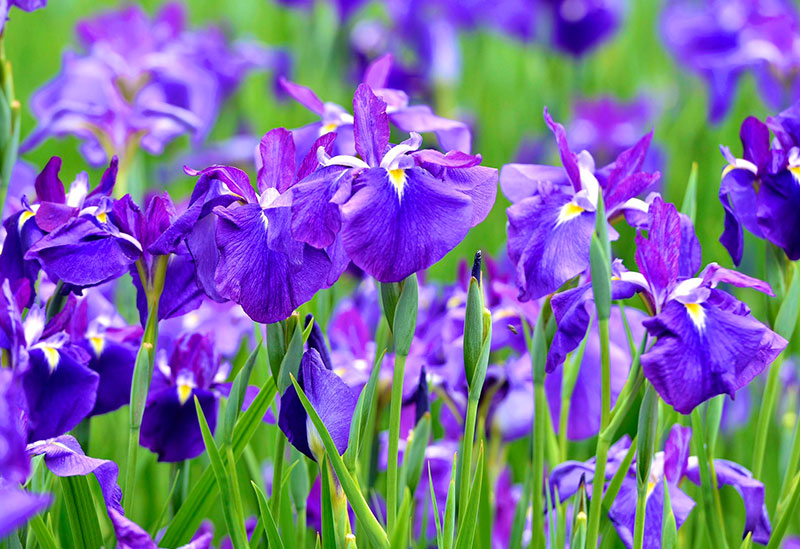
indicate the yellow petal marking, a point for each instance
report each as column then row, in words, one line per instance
column 184, row 392
column 569, row 211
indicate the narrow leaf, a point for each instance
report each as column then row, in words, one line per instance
column 267, row 520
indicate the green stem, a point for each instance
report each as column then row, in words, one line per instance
column 794, row 461
column 711, row 503
column 394, row 439
column 539, row 440
column 787, row 516
column 143, row 370
column 765, row 417
column 603, row 444
column 466, row 458
column 641, row 503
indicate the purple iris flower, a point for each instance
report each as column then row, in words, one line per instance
column 59, row 388
column 24, row 5
column 142, row 81
column 400, row 209
column 552, row 216
column 452, row 134
column 170, row 426
column 708, row 342
column 759, row 192
column 18, row 505
column 241, row 242
column 333, row 400
column 674, row 464
column 721, row 40
column 581, row 25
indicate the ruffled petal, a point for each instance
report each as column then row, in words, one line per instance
column 706, row 349
column 316, row 200
column 392, row 230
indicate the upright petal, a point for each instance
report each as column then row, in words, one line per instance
column 371, row 126
column 568, row 158
column 658, row 255
column 277, row 160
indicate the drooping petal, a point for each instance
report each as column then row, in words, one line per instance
column 21, row 233
column 706, row 349
column 548, row 246
column 452, row 134
column 520, row 181
column 83, row 253
column 566, row 477
column 676, row 453
column 332, row 399
column 750, row 489
column 393, row 229
column 65, row 458
column 60, row 392
column 14, row 462
column 171, row 428
column 740, row 202
column 303, row 95
column 268, row 284
column 477, row 182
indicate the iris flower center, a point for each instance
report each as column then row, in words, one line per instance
column 184, row 392
column 398, row 179
column 697, row 314
column 98, row 344
column 569, row 211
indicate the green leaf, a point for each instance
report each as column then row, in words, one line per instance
column 405, row 316
column 403, row 526
column 450, row 508
column 436, row 518
column 414, row 456
column 236, row 531
column 236, row 396
column 357, row 501
column 201, row 498
column 787, row 314
column 689, row 206
column 291, row 360
column 81, row 512
column 275, row 347
column 669, row 529
column 619, row 476
column 267, row 520
column 466, row 530
column 328, row 528
column 390, row 293
column 43, row 533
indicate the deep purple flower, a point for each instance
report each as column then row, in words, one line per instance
column 142, row 81
column 721, row 40
column 708, row 342
column 578, row 26
column 552, row 216
column 333, row 400
column 759, row 192
column 400, row 209
column 170, row 426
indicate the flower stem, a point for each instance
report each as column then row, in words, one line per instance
column 641, row 504
column 143, row 371
column 595, row 508
column 277, row 475
column 466, row 458
column 765, row 416
column 394, row 439
column 539, row 440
